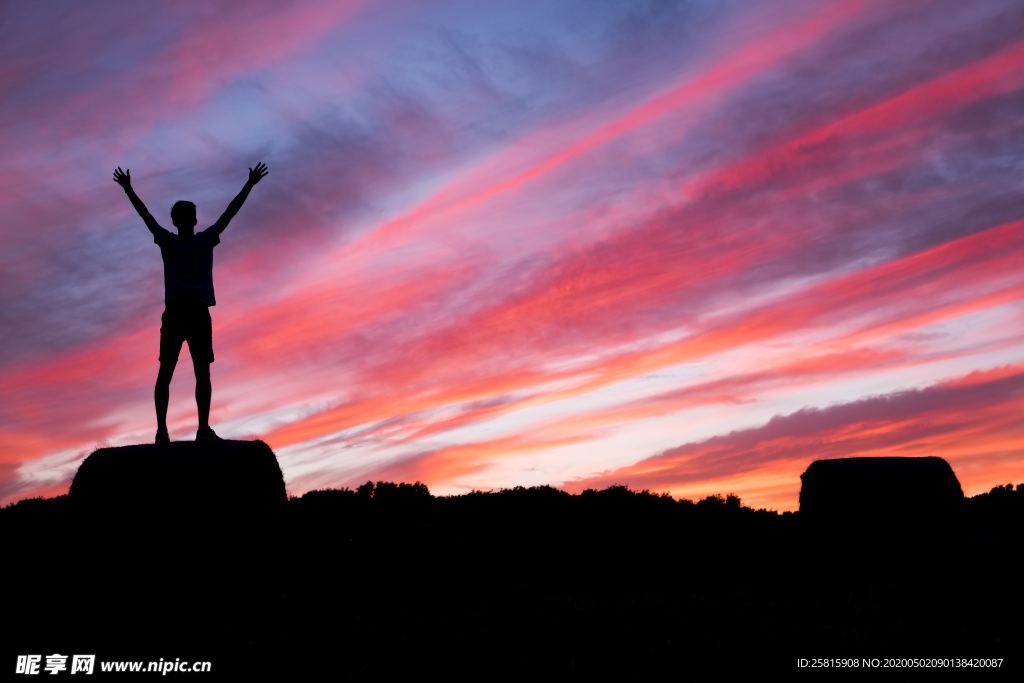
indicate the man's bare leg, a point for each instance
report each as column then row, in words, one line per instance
column 162, row 392
column 203, row 391
column 204, row 433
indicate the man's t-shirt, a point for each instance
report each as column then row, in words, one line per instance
column 188, row 265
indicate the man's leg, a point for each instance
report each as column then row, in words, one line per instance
column 203, row 391
column 161, row 394
column 170, row 347
column 200, row 345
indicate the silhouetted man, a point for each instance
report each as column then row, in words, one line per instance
column 188, row 295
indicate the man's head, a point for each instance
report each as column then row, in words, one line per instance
column 183, row 215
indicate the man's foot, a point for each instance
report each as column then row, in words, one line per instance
column 207, row 434
column 162, row 437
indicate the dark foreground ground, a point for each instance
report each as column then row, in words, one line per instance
column 533, row 583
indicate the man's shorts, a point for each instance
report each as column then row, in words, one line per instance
column 186, row 322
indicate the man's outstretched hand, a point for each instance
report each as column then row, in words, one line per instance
column 123, row 178
column 255, row 174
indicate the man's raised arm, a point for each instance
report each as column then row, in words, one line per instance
column 254, row 177
column 124, row 179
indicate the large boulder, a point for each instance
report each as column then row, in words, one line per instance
column 184, row 478
column 884, row 493
column 209, row 495
column 164, row 542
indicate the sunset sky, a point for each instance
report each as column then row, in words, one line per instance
column 681, row 246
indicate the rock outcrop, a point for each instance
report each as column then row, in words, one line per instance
column 228, row 480
column 881, row 494
column 163, row 543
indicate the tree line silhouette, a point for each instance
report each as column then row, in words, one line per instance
column 387, row 579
